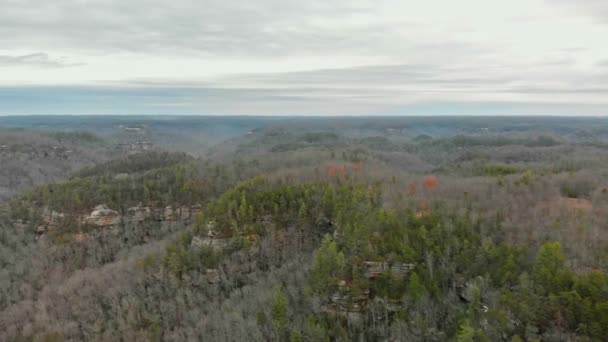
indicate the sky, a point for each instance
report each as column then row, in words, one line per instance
column 288, row 57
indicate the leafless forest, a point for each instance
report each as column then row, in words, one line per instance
column 290, row 229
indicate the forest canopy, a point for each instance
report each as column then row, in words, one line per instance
column 309, row 234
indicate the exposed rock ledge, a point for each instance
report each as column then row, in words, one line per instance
column 103, row 216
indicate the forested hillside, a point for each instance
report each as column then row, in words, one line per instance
column 309, row 232
column 30, row 158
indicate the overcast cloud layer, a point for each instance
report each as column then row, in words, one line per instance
column 304, row 57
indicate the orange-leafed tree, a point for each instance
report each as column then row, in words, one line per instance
column 430, row 183
column 336, row 170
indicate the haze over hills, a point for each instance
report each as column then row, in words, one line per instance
column 248, row 228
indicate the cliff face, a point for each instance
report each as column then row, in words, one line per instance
column 104, row 217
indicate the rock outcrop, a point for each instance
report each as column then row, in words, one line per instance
column 349, row 304
column 138, row 213
column 210, row 242
column 102, row 216
column 51, row 218
column 374, row 269
column 213, row 275
column 135, row 147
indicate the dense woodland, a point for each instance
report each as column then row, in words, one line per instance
column 389, row 229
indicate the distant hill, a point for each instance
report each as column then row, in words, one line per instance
column 29, row 158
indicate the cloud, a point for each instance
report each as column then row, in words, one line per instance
column 188, row 26
column 410, row 83
column 597, row 9
column 340, row 56
column 41, row 60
